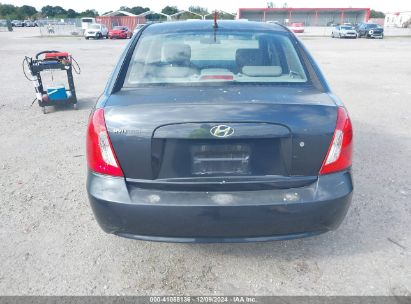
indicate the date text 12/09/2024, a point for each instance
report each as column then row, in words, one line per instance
column 203, row 299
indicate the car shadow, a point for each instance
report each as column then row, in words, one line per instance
column 82, row 104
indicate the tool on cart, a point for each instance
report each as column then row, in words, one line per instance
column 51, row 61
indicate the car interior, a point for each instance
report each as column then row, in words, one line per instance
column 270, row 61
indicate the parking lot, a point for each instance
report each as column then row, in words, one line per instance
column 50, row 243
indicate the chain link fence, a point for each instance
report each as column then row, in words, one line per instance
column 60, row 27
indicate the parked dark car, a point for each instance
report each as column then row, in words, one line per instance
column 218, row 134
column 17, row 23
column 370, row 30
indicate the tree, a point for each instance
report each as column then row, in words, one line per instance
column 8, row 11
column 89, row 13
column 27, row 11
column 53, row 11
column 137, row 10
column 377, row 14
column 125, row 9
column 72, row 13
column 170, row 10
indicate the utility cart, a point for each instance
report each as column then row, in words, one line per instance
column 52, row 61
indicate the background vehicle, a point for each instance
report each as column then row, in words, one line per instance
column 297, row 27
column 138, row 28
column 173, row 158
column 370, row 30
column 343, row 31
column 120, row 32
column 29, row 23
column 17, row 23
column 96, row 31
column 86, row 21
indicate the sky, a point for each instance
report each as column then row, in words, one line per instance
column 229, row 6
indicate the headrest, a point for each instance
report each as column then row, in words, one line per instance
column 250, row 57
column 177, row 53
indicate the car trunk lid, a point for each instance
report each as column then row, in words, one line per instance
column 165, row 136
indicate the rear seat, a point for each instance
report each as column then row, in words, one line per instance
column 251, row 62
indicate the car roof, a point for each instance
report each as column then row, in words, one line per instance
column 177, row 26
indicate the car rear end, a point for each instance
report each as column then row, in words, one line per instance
column 93, row 31
column 297, row 28
column 208, row 135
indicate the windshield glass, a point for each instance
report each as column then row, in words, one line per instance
column 94, row 26
column 198, row 57
column 346, row 27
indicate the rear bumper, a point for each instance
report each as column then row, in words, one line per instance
column 375, row 35
column 91, row 35
column 349, row 35
column 118, row 36
column 239, row 216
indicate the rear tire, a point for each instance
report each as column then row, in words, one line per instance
column 99, row 36
column 43, row 109
column 75, row 106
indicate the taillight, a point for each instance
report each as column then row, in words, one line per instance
column 339, row 155
column 100, row 153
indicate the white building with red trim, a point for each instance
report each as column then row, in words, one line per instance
column 398, row 19
column 308, row 16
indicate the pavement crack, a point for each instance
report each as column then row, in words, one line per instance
column 396, row 243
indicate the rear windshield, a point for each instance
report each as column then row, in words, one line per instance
column 198, row 57
column 122, row 28
column 346, row 27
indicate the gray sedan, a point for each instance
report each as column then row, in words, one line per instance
column 221, row 132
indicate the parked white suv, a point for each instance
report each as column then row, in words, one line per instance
column 96, row 31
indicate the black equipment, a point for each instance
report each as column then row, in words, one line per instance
column 50, row 61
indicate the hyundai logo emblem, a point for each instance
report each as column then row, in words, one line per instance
column 222, row 131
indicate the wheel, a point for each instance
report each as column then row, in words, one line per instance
column 332, row 35
column 339, row 35
column 75, row 106
column 106, row 36
column 43, row 109
column 87, row 38
column 99, row 36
